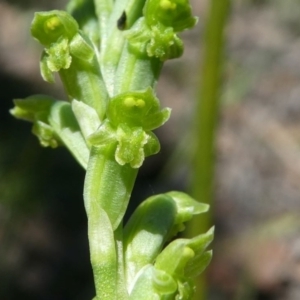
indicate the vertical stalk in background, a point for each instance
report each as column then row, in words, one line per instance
column 207, row 110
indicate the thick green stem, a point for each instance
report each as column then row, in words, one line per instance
column 206, row 117
column 107, row 190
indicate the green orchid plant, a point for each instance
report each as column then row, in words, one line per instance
column 108, row 55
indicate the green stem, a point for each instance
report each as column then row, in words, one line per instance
column 136, row 73
column 107, row 190
column 206, row 117
column 112, row 49
column 109, row 59
column 103, row 10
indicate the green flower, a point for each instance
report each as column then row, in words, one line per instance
column 54, row 124
column 170, row 13
column 36, row 109
column 155, row 34
column 48, row 27
column 130, row 118
column 59, row 33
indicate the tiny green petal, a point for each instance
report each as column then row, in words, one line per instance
column 187, row 207
column 82, row 48
column 164, row 43
column 153, row 146
column 45, row 134
column 58, row 56
column 154, row 41
column 131, row 144
column 46, row 73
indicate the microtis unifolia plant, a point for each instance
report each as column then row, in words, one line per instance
column 109, row 54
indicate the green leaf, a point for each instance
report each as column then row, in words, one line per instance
column 104, row 135
column 151, row 284
column 36, row 109
column 103, row 253
column 184, row 259
column 53, row 123
column 87, row 118
column 154, row 222
column 187, row 207
column 66, row 127
column 146, row 232
column 28, row 108
column 198, row 265
column 83, row 82
column 179, row 257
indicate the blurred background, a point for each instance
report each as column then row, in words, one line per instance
column 43, row 241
